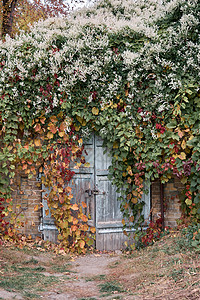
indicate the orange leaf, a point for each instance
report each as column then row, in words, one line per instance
column 134, row 200
column 75, row 207
column 62, row 126
column 84, row 218
column 46, row 212
column 52, row 128
column 36, row 208
column 84, row 204
column 24, row 167
column 74, row 227
column 180, row 133
column 84, row 227
column 93, row 229
column 42, row 120
column 68, row 189
column 53, row 119
column 37, row 143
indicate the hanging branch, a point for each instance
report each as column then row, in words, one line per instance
column 7, row 20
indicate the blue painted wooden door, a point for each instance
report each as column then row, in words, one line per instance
column 92, row 186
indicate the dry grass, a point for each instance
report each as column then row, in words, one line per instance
column 166, row 270
column 162, row 271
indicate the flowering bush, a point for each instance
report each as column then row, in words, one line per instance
column 128, row 70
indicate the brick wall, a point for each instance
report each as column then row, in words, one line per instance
column 172, row 210
column 27, row 193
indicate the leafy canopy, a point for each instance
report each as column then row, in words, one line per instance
column 128, row 70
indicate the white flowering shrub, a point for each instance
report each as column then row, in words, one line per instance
column 116, row 67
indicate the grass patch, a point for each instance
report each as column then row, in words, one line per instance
column 27, row 269
column 114, row 265
column 90, row 298
column 23, row 283
column 111, row 287
column 177, row 274
column 95, row 278
column 62, row 269
column 32, row 261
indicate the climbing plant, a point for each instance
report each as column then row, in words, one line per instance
column 128, row 71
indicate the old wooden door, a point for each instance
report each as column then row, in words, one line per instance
column 92, row 186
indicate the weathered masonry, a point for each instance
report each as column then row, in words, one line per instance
column 92, row 186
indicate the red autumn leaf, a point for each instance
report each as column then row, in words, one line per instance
column 52, row 128
column 37, row 127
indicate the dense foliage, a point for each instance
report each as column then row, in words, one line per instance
column 128, row 70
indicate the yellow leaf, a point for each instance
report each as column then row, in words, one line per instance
column 123, row 222
column 95, row 111
column 182, row 155
column 61, row 133
column 87, row 165
column 50, row 135
column 183, row 144
column 82, row 244
column 81, row 120
column 184, row 180
column 37, row 143
column 115, row 145
column 77, row 128
column 188, row 202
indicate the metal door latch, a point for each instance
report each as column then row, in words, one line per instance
column 90, row 192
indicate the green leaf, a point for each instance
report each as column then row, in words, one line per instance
column 172, row 124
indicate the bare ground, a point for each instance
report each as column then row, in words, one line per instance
column 162, row 271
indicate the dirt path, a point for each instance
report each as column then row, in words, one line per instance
column 165, row 271
column 88, row 273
